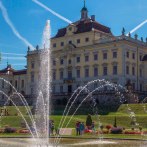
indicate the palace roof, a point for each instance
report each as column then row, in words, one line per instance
column 10, row 70
column 84, row 26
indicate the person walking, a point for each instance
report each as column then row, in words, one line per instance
column 93, row 127
column 77, row 128
column 82, row 128
column 52, row 128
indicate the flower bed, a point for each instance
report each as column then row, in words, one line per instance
column 117, row 130
column 24, row 131
column 88, row 131
column 9, row 130
column 1, row 130
column 132, row 132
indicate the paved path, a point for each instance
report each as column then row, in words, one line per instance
column 65, row 131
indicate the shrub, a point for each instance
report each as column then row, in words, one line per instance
column 1, row 130
column 144, row 132
column 105, row 132
column 9, row 130
column 88, row 120
column 116, row 130
column 115, row 125
column 24, row 131
column 133, row 129
column 101, row 127
column 140, row 128
column 108, row 127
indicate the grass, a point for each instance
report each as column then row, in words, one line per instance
column 122, row 117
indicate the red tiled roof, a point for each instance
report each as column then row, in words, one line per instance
column 14, row 72
column 85, row 26
column 5, row 70
column 20, row 72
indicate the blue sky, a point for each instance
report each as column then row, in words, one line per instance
column 30, row 19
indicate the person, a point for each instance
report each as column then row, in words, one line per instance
column 57, row 130
column 49, row 128
column 77, row 128
column 93, row 127
column 52, row 127
column 82, row 128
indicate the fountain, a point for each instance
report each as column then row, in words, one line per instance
column 38, row 124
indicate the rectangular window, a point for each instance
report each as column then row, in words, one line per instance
column 54, row 62
column 86, row 39
column 69, row 74
column 127, row 70
column 78, row 59
column 61, row 61
column 87, row 72
column 140, row 57
column 115, row 70
column 128, row 54
column 32, row 77
column 105, row 56
column 114, row 54
column 70, row 42
column 133, row 71
column 15, row 83
column 140, row 87
column 140, row 72
column 62, row 43
column 61, row 89
column 54, row 45
column 86, row 58
column 54, row 89
column 22, row 84
column 133, row 85
column 78, row 41
column 133, row 55
column 78, row 73
column 61, row 75
column 54, row 75
column 95, row 71
column 95, row 57
column 32, row 65
column 105, row 70
column 32, row 90
column 69, row 61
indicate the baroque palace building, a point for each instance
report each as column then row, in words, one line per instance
column 83, row 51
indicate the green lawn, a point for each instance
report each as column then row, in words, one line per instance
column 122, row 117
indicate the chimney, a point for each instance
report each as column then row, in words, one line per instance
column 93, row 17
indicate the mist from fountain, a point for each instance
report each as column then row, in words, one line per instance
column 104, row 83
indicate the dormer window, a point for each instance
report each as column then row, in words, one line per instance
column 70, row 42
column 78, row 41
column 86, row 39
column 70, row 28
column 54, row 45
column 62, row 43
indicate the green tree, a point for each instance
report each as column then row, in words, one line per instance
column 115, row 124
column 88, row 120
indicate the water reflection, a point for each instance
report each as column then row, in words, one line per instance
column 73, row 143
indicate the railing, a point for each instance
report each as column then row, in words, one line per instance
column 69, row 80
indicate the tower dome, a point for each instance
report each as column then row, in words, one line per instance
column 84, row 12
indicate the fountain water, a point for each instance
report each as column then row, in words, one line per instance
column 39, row 124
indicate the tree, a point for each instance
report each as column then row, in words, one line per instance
column 115, row 125
column 88, row 120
